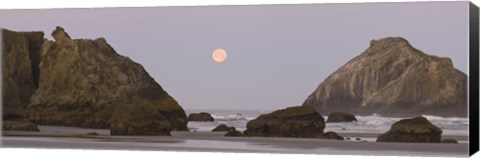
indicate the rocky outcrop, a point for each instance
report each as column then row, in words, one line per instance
column 341, row 117
column 222, row 127
column 298, row 121
column 392, row 78
column 20, row 125
column 85, row 83
column 203, row 116
column 332, row 135
column 417, row 129
column 141, row 125
column 92, row 134
column 233, row 133
column 20, row 53
column 451, row 141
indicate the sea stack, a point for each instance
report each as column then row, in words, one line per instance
column 392, row 78
column 86, row 83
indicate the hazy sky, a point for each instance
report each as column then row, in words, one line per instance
column 277, row 54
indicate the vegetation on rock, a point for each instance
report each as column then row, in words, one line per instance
column 298, row 121
column 417, row 129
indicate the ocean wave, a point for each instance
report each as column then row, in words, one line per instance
column 232, row 117
column 365, row 124
column 432, row 117
column 379, row 124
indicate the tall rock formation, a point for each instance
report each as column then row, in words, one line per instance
column 393, row 78
column 85, row 83
column 20, row 52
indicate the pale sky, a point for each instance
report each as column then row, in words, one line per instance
column 277, row 54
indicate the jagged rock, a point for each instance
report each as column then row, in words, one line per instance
column 203, row 116
column 62, row 38
column 298, row 121
column 392, row 78
column 341, row 117
column 417, row 129
column 332, row 135
column 85, row 83
column 452, row 141
column 222, row 127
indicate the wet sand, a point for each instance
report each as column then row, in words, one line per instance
column 70, row 137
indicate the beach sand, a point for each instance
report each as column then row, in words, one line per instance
column 71, row 137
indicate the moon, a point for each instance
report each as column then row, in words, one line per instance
column 219, row 55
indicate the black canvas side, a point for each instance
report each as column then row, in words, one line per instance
column 473, row 81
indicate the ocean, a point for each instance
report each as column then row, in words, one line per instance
column 374, row 124
column 366, row 129
column 235, row 118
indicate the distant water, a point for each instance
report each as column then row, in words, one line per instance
column 236, row 118
column 377, row 124
column 365, row 124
